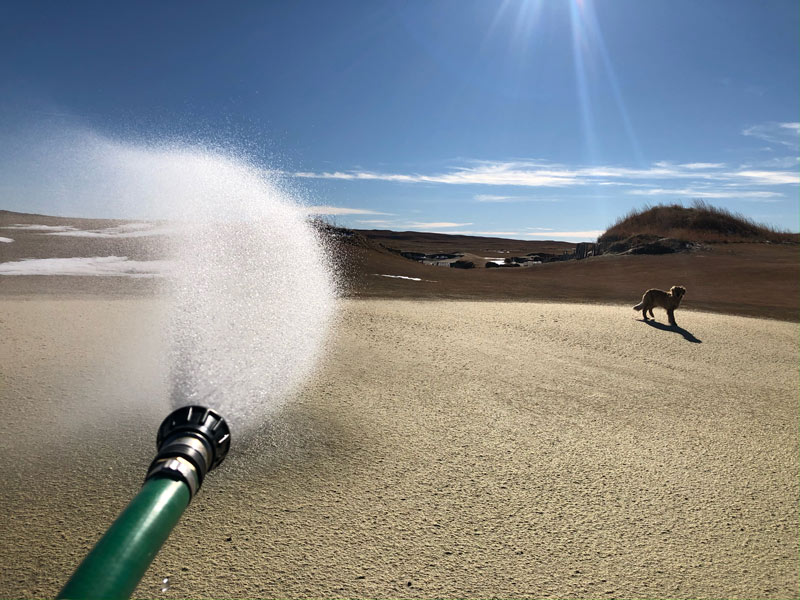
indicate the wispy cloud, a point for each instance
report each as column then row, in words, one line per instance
column 538, row 174
column 778, row 162
column 702, row 165
column 340, row 210
column 437, row 224
column 493, row 198
column 784, row 134
column 375, row 221
column 702, row 193
column 359, row 175
column 484, row 173
column 583, row 235
column 769, row 177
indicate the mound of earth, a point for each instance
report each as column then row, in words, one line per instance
column 645, row 231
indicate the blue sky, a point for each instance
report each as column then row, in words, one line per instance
column 519, row 118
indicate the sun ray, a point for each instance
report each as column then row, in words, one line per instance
column 579, row 42
column 588, row 41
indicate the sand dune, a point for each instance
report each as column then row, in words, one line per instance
column 445, row 449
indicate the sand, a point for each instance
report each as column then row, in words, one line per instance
column 444, row 449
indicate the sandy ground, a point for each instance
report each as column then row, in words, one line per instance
column 445, row 449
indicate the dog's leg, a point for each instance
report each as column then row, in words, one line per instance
column 651, row 314
column 671, row 316
column 644, row 313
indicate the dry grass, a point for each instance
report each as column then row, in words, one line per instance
column 701, row 222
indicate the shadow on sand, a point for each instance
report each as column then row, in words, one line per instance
column 676, row 328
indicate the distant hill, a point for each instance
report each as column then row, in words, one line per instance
column 418, row 241
column 678, row 226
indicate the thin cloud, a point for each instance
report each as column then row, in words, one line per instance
column 769, row 177
column 360, row 175
column 492, row 198
column 484, row 174
column 784, row 134
column 538, row 174
column 702, row 165
column 438, row 224
column 588, row 234
column 778, row 162
column 700, row 193
column 375, row 221
column 340, row 210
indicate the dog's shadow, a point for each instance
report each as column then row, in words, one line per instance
column 676, row 328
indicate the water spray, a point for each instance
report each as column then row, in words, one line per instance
column 250, row 294
column 191, row 441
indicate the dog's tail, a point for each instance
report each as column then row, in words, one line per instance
column 639, row 306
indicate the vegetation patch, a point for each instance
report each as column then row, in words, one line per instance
column 672, row 228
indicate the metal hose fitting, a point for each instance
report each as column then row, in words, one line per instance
column 191, row 441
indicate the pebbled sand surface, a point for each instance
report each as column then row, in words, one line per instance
column 444, row 449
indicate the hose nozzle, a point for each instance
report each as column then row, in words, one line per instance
column 191, row 441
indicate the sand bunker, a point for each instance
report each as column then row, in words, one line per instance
column 445, row 449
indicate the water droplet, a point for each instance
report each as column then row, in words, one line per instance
column 165, row 584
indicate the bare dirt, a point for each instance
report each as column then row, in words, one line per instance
column 750, row 279
column 753, row 279
column 444, row 449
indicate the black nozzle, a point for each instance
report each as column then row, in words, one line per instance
column 191, row 441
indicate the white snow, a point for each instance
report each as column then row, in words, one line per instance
column 40, row 227
column 118, row 266
column 131, row 230
column 126, row 230
column 400, row 277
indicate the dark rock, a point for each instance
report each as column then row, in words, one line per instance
column 463, row 264
column 661, row 246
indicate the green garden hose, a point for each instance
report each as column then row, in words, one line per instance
column 191, row 441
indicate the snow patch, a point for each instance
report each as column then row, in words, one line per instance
column 399, row 277
column 115, row 266
column 39, row 227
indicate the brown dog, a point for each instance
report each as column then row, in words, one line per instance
column 669, row 301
